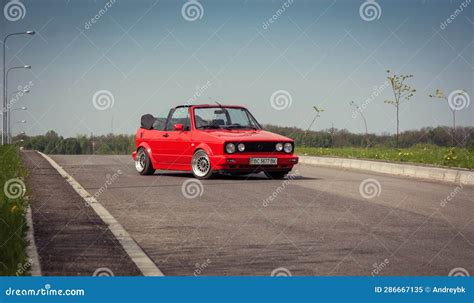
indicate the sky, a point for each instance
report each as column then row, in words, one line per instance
column 97, row 66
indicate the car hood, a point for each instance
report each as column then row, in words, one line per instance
column 246, row 135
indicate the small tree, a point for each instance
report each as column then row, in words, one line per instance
column 440, row 95
column 360, row 111
column 402, row 93
column 318, row 112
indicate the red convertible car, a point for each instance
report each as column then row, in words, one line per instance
column 207, row 139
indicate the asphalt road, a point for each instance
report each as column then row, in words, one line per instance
column 318, row 223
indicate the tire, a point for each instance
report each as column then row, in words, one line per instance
column 143, row 163
column 276, row 175
column 201, row 165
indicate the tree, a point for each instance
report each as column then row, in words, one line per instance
column 402, row 93
column 360, row 111
column 440, row 95
column 317, row 115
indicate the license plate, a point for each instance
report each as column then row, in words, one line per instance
column 263, row 161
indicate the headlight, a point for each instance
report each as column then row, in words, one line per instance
column 230, row 148
column 279, row 147
column 288, row 148
column 241, row 147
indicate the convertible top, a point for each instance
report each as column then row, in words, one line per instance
column 147, row 121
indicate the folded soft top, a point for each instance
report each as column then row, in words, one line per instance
column 147, row 121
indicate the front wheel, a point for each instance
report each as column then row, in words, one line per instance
column 201, row 165
column 143, row 163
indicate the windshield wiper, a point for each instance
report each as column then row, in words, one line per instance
column 209, row 127
column 238, row 126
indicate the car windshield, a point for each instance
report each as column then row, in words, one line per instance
column 224, row 118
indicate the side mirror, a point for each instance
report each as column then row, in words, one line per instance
column 179, row 127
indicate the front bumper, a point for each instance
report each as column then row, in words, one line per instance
column 241, row 162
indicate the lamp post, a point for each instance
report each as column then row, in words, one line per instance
column 9, row 126
column 6, row 110
column 4, row 119
column 10, row 138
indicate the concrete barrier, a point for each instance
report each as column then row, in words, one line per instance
column 463, row 176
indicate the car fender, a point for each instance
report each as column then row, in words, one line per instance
column 147, row 147
column 206, row 148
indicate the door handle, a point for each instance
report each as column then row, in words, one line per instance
column 166, row 135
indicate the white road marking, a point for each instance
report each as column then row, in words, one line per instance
column 32, row 250
column 134, row 251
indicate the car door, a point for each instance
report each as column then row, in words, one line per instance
column 177, row 149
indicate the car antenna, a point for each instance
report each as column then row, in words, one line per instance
column 220, row 105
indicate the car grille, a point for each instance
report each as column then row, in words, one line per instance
column 258, row 147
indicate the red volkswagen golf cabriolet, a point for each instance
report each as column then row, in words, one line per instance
column 207, row 139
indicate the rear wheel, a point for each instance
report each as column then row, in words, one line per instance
column 143, row 163
column 201, row 165
column 276, row 174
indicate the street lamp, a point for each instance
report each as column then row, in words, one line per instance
column 21, row 121
column 6, row 106
column 4, row 119
column 9, row 125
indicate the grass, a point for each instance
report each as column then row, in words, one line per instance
column 422, row 154
column 13, row 206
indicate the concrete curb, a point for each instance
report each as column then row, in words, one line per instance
column 414, row 171
column 32, row 250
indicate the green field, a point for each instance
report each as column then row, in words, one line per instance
column 13, row 205
column 423, row 154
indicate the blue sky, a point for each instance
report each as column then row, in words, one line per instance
column 150, row 58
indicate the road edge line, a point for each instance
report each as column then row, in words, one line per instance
column 32, row 249
column 133, row 250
